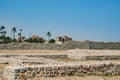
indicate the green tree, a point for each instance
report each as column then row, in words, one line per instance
column 19, row 34
column 20, row 30
column 1, row 34
column 4, row 34
column 7, row 40
column 49, row 35
column 52, row 41
column 14, row 31
column 29, row 40
column 2, row 28
column 2, row 31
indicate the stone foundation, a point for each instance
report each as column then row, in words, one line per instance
column 94, row 54
column 27, row 72
column 27, row 66
column 6, row 58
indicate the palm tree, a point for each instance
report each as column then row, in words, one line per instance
column 20, row 30
column 49, row 35
column 4, row 34
column 2, row 30
column 19, row 34
column 11, row 34
column 0, row 33
column 14, row 31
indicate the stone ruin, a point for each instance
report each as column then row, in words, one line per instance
column 27, row 66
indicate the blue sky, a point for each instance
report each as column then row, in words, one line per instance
column 96, row 20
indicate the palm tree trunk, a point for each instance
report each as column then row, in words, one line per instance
column 48, row 38
column 2, row 34
column 14, row 35
column 11, row 34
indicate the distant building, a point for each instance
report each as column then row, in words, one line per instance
column 35, row 37
column 41, row 39
column 62, row 39
column 21, row 39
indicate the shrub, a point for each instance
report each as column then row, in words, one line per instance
column 52, row 41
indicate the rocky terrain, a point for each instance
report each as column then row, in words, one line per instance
column 60, row 65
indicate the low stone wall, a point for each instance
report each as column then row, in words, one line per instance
column 44, row 55
column 94, row 54
column 104, row 57
column 67, row 45
column 6, row 58
column 50, row 56
column 27, row 72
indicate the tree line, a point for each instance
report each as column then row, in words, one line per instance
column 7, row 39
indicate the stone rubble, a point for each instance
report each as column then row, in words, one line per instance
column 64, row 69
column 26, row 66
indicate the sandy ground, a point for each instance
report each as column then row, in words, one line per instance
column 2, row 66
column 82, row 51
column 81, row 78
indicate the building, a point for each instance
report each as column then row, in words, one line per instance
column 62, row 39
column 21, row 39
column 40, row 39
column 35, row 37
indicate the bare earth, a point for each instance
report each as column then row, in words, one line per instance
column 55, row 78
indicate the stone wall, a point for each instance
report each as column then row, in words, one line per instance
column 104, row 57
column 26, row 66
column 94, row 54
column 67, row 45
column 30, row 58
column 27, row 72
column 49, row 56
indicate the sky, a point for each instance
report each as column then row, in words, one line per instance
column 95, row 20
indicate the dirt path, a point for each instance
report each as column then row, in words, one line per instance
column 2, row 66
